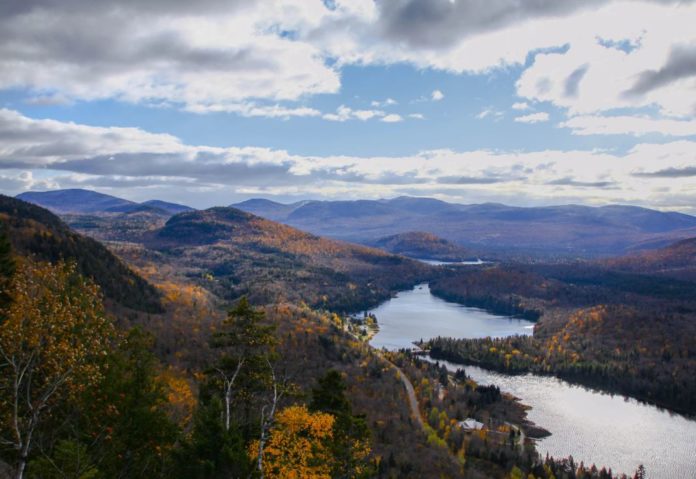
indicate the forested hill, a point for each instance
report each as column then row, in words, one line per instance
column 419, row 244
column 677, row 260
column 241, row 253
column 37, row 232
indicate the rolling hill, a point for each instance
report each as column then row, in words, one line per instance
column 236, row 253
column 567, row 230
column 677, row 261
column 417, row 244
column 36, row 232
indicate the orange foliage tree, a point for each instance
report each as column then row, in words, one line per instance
column 52, row 342
column 298, row 446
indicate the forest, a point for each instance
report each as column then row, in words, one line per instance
column 245, row 385
column 620, row 331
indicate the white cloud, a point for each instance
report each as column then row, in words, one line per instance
column 539, row 117
column 416, row 116
column 490, row 112
column 593, row 75
column 387, row 102
column 520, row 106
column 253, row 110
column 344, row 113
column 437, row 95
column 134, row 163
column 392, row 118
column 220, row 55
column 628, row 125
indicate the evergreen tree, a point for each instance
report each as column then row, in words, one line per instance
column 351, row 436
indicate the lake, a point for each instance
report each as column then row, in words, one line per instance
column 594, row 427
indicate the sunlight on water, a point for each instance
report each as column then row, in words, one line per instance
column 594, row 427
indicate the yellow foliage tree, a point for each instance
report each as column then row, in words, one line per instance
column 298, row 446
column 51, row 340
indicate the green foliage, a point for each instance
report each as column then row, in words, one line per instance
column 351, row 435
column 70, row 460
column 128, row 412
column 210, row 451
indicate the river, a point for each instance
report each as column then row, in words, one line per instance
column 594, row 427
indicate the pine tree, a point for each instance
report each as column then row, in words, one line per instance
column 351, row 436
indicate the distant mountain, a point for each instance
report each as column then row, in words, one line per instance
column 37, row 232
column 267, row 209
column 567, row 230
column 79, row 201
column 172, row 208
column 242, row 253
column 76, row 201
column 417, row 244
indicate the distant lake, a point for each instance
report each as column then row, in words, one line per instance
column 417, row 314
column 436, row 262
column 594, row 427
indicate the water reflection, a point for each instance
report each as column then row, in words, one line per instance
column 594, row 427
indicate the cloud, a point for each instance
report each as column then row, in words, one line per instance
column 431, row 24
column 387, row 102
column 680, row 64
column 647, row 60
column 490, row 112
column 686, row 172
column 262, row 58
column 135, row 163
column 392, row 118
column 572, row 83
column 416, row 116
column 437, row 95
column 539, row 117
column 344, row 113
column 254, row 110
column 211, row 57
column 567, row 181
column 628, row 125
column 521, row 106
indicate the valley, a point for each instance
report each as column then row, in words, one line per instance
column 607, row 324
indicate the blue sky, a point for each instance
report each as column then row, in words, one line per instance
column 287, row 99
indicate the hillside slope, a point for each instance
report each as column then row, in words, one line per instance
column 240, row 253
column 418, row 244
column 677, row 260
column 38, row 232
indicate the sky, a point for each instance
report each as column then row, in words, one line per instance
column 212, row 102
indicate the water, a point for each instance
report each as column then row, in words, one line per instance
column 436, row 262
column 594, row 427
column 417, row 314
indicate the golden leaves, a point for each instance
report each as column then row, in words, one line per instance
column 298, row 446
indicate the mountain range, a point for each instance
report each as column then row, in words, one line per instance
column 480, row 229
column 565, row 230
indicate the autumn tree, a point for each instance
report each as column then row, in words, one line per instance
column 52, row 342
column 246, row 346
column 350, row 441
column 298, row 445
